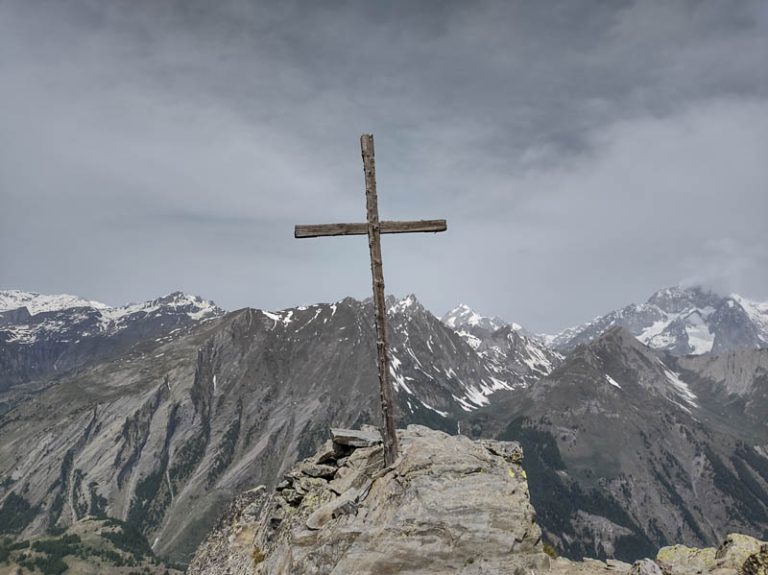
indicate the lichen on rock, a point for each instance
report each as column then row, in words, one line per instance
column 680, row 557
column 756, row 563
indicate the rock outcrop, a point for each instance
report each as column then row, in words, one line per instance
column 447, row 505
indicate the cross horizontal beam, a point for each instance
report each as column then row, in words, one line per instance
column 385, row 227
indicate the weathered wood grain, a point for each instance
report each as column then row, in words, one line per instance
column 373, row 228
column 385, row 384
column 385, row 227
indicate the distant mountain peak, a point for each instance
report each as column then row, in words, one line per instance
column 407, row 304
column 44, row 334
column 195, row 303
column 682, row 321
column 40, row 303
column 676, row 299
column 464, row 316
column 29, row 317
column 618, row 335
column 37, row 303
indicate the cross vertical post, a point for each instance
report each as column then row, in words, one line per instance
column 373, row 228
column 379, row 304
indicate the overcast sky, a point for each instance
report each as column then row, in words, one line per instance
column 584, row 153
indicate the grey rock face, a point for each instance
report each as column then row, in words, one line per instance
column 677, row 299
column 682, row 559
column 445, row 498
column 447, row 505
column 733, row 384
column 445, row 361
column 735, row 328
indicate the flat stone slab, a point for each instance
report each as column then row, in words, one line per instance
column 355, row 437
column 319, row 470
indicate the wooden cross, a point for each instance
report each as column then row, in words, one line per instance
column 373, row 228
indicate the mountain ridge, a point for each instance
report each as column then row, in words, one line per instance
column 199, row 411
column 66, row 331
column 197, row 414
column 636, row 437
column 682, row 321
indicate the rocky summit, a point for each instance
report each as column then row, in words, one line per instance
column 447, row 505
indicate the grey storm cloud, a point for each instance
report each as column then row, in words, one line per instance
column 584, row 153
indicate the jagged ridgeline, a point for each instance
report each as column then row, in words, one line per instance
column 183, row 407
column 163, row 435
column 628, row 450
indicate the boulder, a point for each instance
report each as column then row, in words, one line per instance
column 683, row 560
column 319, row 470
column 735, row 549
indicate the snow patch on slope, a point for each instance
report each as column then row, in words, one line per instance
column 66, row 314
column 680, row 388
column 757, row 313
column 612, row 381
column 40, row 303
column 464, row 316
column 700, row 338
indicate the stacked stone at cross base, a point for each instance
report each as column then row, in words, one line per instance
column 447, row 505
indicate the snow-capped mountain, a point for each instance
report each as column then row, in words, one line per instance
column 175, row 407
column 38, row 303
column 162, row 432
column 514, row 356
column 509, row 351
column 34, row 304
column 463, row 316
column 627, row 448
column 432, row 366
column 44, row 333
column 681, row 321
